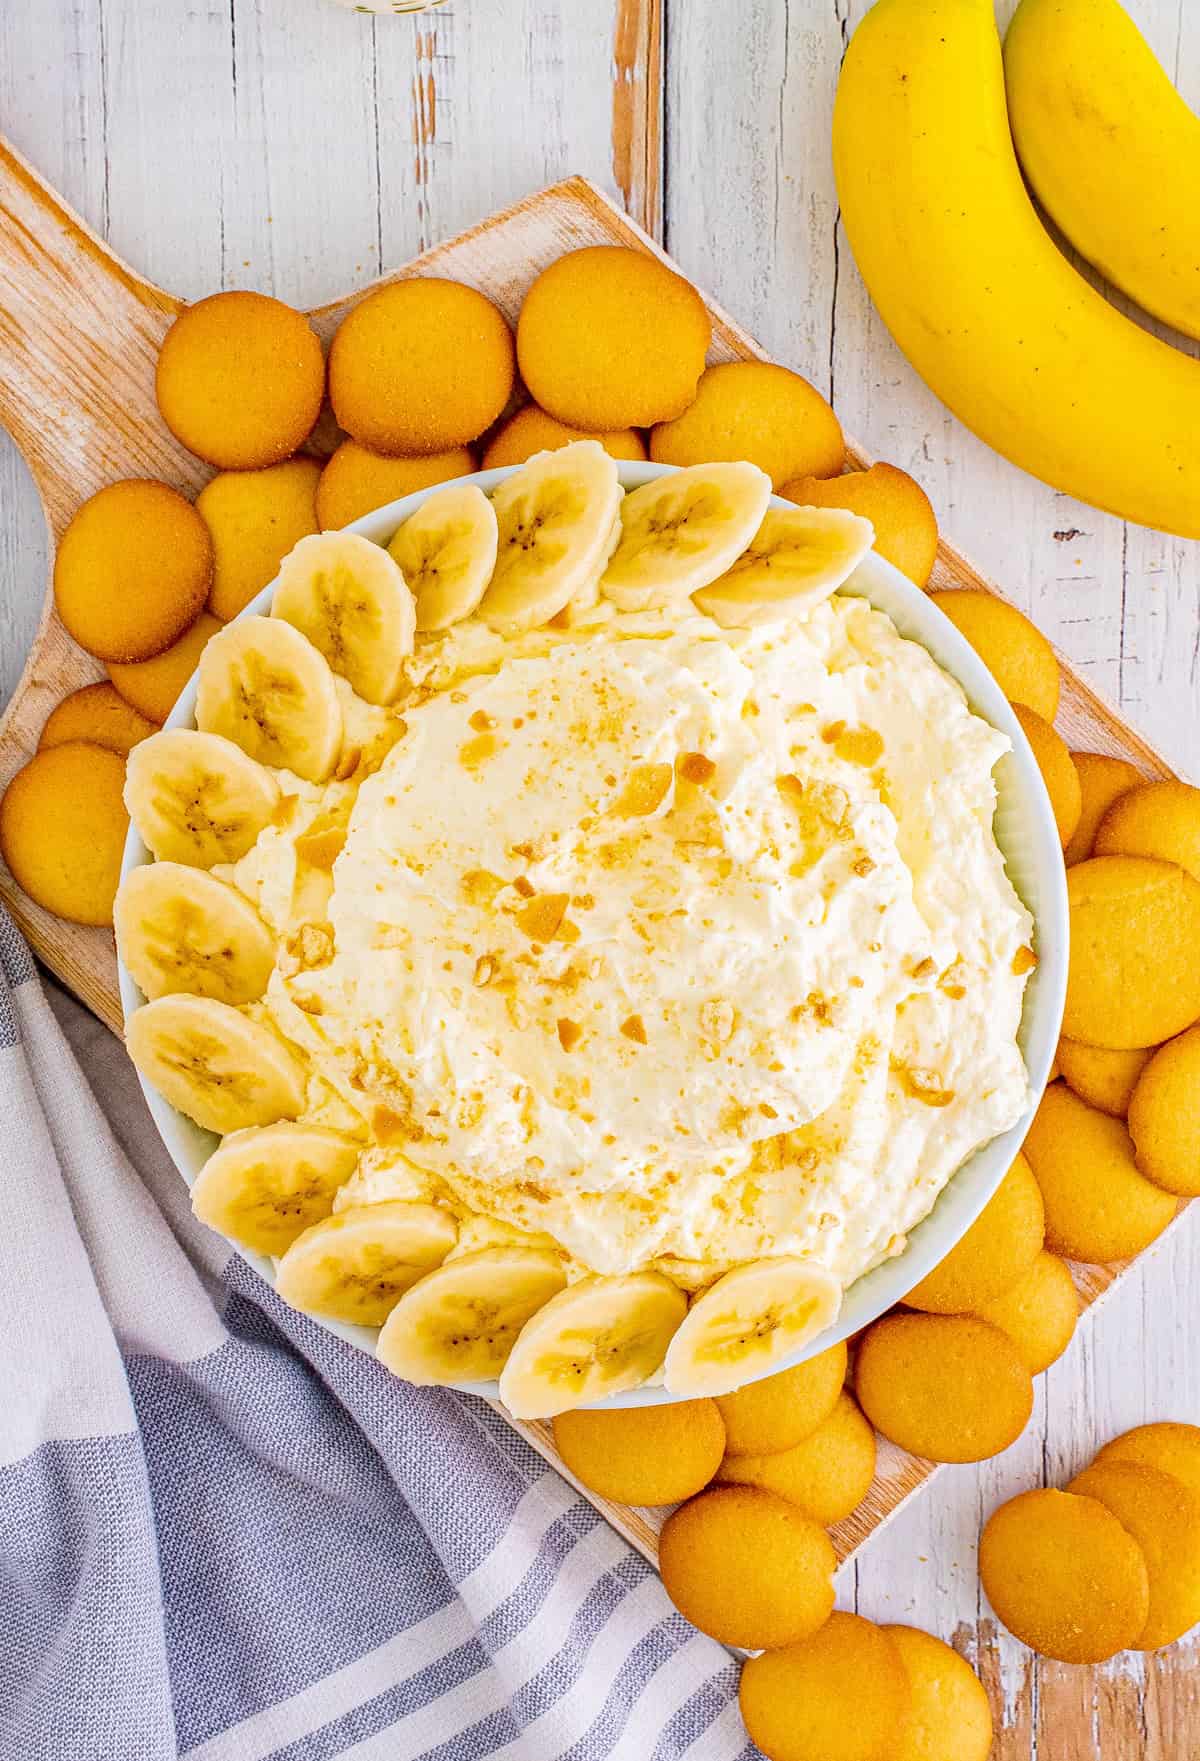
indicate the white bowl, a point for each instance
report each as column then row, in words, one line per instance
column 1025, row 831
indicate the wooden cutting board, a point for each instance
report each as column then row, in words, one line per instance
column 79, row 336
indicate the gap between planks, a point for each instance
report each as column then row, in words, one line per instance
column 637, row 111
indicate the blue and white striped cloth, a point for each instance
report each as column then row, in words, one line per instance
column 226, row 1535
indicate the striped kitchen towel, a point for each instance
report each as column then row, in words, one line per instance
column 227, row 1535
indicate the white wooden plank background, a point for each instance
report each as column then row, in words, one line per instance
column 290, row 146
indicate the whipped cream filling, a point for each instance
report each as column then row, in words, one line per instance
column 679, row 944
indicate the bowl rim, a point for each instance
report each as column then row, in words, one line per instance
column 975, row 1180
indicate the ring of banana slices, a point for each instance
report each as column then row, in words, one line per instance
column 294, row 710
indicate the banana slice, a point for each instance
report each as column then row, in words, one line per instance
column 182, row 929
column 797, row 558
column 197, row 798
column 746, row 1322
column 222, row 1069
column 447, row 552
column 460, row 1323
column 683, row 531
column 476, row 1232
column 265, row 1186
column 264, row 686
column 350, row 599
column 356, row 1266
column 599, row 1337
column 556, row 518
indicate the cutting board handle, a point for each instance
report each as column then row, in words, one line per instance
column 79, row 334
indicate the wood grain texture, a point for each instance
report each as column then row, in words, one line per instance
column 637, row 111
column 289, row 146
column 80, row 333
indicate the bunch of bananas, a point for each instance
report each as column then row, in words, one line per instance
column 965, row 274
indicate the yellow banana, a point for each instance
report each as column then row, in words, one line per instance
column 969, row 283
column 1110, row 148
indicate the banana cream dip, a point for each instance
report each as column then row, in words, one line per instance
column 681, row 944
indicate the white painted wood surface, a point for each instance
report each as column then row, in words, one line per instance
column 290, row 146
